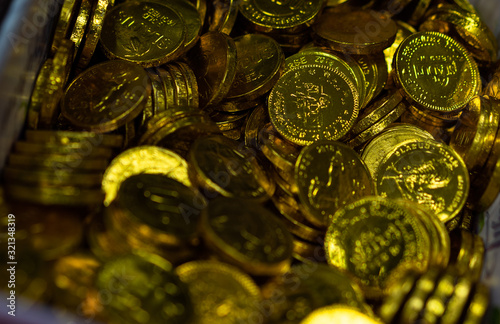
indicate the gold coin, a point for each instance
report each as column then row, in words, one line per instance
column 106, row 96
column 220, row 292
column 257, row 119
column 474, row 135
column 226, row 121
column 339, row 314
column 247, row 235
column 158, row 92
column 221, row 16
column 192, row 85
column 144, row 289
column 457, row 303
column 104, row 243
column 478, row 306
column 56, row 80
column 260, row 62
column 180, row 86
column 304, row 251
column 381, row 145
column 165, row 210
column 64, row 22
column 437, row 302
column 404, row 30
column 67, row 137
column 376, row 111
column 390, row 309
column 56, row 195
column 386, row 235
column 349, row 32
column 307, row 287
column 48, row 177
column 220, row 165
column 191, row 18
column 376, row 74
column 280, row 152
column 93, row 33
column 213, row 60
column 289, row 188
column 416, row 65
column 169, row 87
column 55, row 162
column 293, row 218
column 81, row 23
column 429, row 173
column 330, row 175
column 143, row 159
column 477, row 258
column 379, row 126
column 83, row 150
column 38, row 95
column 74, row 277
column 280, row 15
column 424, row 287
column 234, row 134
column 135, row 32
column 313, row 102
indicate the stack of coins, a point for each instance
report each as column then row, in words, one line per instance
column 281, row 162
column 59, row 167
column 436, row 296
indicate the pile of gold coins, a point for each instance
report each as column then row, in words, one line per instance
column 258, row 161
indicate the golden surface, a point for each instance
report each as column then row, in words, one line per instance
column 38, row 95
column 221, row 16
column 278, row 14
column 137, row 32
column 213, row 61
column 247, row 235
column 280, row 152
column 143, row 159
column 424, row 287
column 446, row 85
column 329, row 176
column 260, row 63
column 347, row 31
column 191, row 18
column 313, row 102
column 373, row 237
column 64, row 22
column 143, row 289
column 106, row 96
column 78, row 33
column 67, row 137
column 393, row 303
column 220, row 293
column 404, row 30
column 429, row 173
column 222, row 166
column 340, row 315
column 93, row 33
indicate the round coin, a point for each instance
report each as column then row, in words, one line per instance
column 435, row 72
column 374, row 237
column 143, row 289
column 106, row 96
column 220, row 293
column 223, row 166
column 429, row 173
column 330, row 175
column 148, row 33
column 313, row 102
column 143, row 159
column 339, row 314
column 247, row 235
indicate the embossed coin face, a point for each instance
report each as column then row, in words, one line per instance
column 167, row 206
column 143, row 289
column 213, row 60
column 247, row 235
column 143, row 159
column 220, row 293
column 280, row 14
column 148, row 33
column 373, row 237
column 429, row 173
column 106, row 96
column 435, row 72
column 223, row 166
column 260, row 62
column 330, row 175
column 313, row 102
